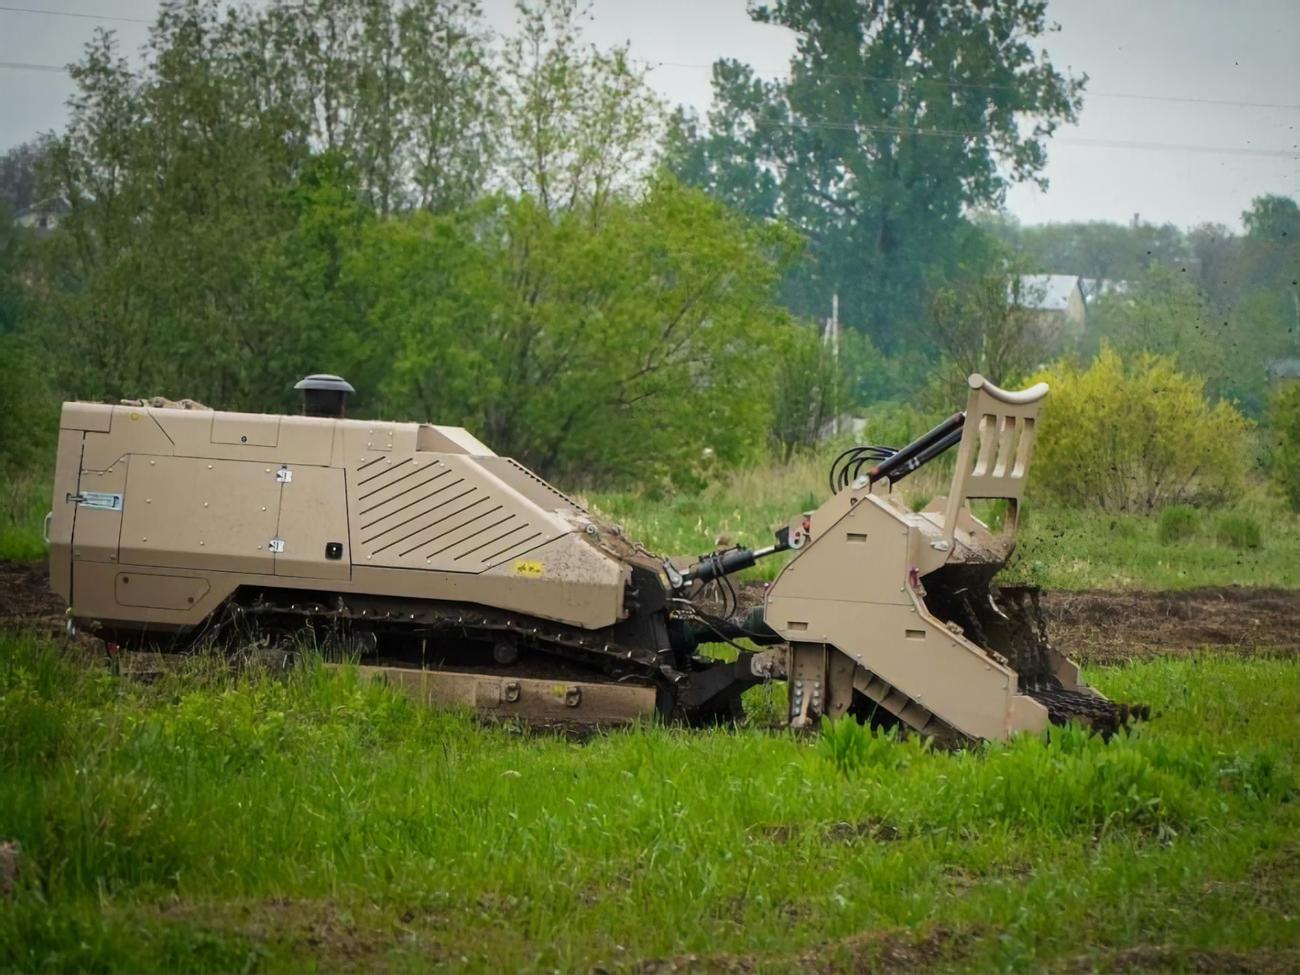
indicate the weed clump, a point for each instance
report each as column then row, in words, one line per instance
column 1177, row 523
column 1239, row 531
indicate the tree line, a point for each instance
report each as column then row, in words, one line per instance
column 515, row 234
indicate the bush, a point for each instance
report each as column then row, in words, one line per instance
column 1284, row 441
column 1177, row 522
column 1238, row 530
column 1136, row 436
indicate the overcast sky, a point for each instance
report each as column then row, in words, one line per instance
column 1155, row 137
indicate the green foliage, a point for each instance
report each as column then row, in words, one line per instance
column 1073, row 548
column 851, row 746
column 1177, row 523
column 984, row 323
column 1238, row 530
column 601, row 342
column 1136, row 436
column 1096, row 251
column 856, row 150
column 810, row 391
column 1283, row 438
column 299, row 188
column 212, row 822
column 1223, row 305
column 1163, row 314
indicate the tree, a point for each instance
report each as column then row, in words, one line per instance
column 986, row 323
column 1100, row 251
column 587, row 346
column 20, row 174
column 1136, row 435
column 580, row 123
column 1283, row 439
column 810, row 390
column 897, row 117
column 1163, row 314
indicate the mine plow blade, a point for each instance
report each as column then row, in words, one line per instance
column 892, row 615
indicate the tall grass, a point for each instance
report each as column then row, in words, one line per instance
column 24, row 500
column 1058, row 548
column 211, row 822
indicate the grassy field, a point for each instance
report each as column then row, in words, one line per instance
column 212, row 823
column 1058, row 548
column 24, row 499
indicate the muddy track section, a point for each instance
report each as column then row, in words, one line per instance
column 1093, row 627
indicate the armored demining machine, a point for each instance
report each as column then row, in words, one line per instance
column 415, row 552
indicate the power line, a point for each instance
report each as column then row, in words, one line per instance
column 69, row 13
column 939, row 82
column 25, row 66
column 856, row 127
column 929, row 133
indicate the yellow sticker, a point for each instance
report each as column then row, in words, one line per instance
column 135, row 416
column 531, row 569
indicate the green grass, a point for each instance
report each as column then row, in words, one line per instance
column 1257, row 543
column 1062, row 549
column 24, row 499
column 213, row 823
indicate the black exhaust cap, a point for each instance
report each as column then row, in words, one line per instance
column 324, row 395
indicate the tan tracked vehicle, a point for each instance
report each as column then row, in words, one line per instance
column 467, row 578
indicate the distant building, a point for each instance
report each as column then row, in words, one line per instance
column 1057, row 300
column 44, row 216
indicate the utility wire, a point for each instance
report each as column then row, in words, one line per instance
column 24, row 66
column 1232, row 103
column 844, row 77
column 857, row 127
column 69, row 13
column 939, row 82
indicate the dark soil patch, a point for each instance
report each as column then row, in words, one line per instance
column 1111, row 627
column 25, row 594
column 1175, row 958
column 873, row 951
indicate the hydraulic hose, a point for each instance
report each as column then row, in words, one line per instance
column 941, row 434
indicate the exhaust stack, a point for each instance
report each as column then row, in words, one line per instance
column 324, row 395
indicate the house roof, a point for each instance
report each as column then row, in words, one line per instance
column 1047, row 292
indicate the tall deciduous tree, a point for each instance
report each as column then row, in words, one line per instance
column 898, row 115
column 588, row 345
column 580, row 123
